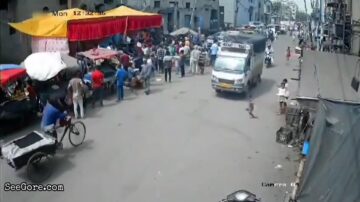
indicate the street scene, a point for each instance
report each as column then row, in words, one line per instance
column 228, row 101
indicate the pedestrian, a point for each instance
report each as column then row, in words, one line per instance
column 213, row 52
column 182, row 63
column 121, row 76
column 288, row 54
column 202, row 60
column 147, row 51
column 287, row 92
column 160, row 53
column 168, row 62
column 282, row 98
column 98, row 86
column 125, row 61
column 251, row 107
column 193, row 62
column 76, row 86
column 145, row 74
column 172, row 48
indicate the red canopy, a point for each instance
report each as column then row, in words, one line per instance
column 11, row 75
column 99, row 29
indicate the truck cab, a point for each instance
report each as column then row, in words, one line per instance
column 237, row 68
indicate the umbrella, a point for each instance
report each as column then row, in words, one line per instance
column 43, row 66
column 10, row 75
column 9, row 66
column 183, row 31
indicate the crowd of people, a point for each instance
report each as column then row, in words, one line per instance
column 135, row 68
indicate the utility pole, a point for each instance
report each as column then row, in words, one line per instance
column 69, row 4
column 236, row 12
column 176, row 16
column 322, row 22
column 310, row 30
column 192, row 16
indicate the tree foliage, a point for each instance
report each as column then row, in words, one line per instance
column 276, row 6
column 301, row 16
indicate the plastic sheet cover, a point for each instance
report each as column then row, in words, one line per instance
column 332, row 170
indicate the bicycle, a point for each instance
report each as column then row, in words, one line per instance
column 35, row 149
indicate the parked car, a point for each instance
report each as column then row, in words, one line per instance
column 257, row 24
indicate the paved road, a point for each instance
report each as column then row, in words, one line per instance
column 181, row 143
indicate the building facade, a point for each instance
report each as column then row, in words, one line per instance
column 14, row 46
column 195, row 14
column 249, row 10
column 229, row 9
column 267, row 11
column 241, row 12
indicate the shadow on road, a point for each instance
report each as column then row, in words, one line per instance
column 61, row 162
column 265, row 86
column 232, row 96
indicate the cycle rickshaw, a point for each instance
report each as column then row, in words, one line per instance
column 35, row 149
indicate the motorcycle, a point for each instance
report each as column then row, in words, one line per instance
column 241, row 196
column 268, row 59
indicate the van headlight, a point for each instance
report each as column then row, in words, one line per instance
column 238, row 81
column 214, row 78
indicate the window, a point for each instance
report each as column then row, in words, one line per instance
column 108, row 1
column 4, row 4
column 187, row 5
column 156, row 4
column 187, row 20
column 172, row 4
column 63, row 2
column 229, row 64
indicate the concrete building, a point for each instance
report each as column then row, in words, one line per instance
column 241, row 12
column 267, row 11
column 14, row 46
column 288, row 10
column 250, row 10
column 183, row 13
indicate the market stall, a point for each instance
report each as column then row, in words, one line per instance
column 75, row 25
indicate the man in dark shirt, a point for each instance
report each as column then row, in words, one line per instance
column 182, row 63
column 160, row 53
column 125, row 61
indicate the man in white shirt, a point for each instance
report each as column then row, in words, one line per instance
column 213, row 52
column 194, row 59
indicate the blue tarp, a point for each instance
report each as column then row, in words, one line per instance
column 9, row 66
column 116, row 40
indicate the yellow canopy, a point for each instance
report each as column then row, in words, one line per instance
column 55, row 24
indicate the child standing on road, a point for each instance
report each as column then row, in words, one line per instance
column 288, row 54
column 251, row 107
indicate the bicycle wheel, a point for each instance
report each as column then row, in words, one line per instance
column 77, row 133
column 38, row 168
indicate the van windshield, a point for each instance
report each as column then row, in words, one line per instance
column 230, row 64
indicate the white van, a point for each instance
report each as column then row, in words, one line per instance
column 237, row 68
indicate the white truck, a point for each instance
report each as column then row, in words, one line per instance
column 239, row 64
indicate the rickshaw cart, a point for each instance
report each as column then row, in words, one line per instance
column 107, row 67
column 31, row 150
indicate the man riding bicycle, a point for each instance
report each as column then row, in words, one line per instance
column 54, row 111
